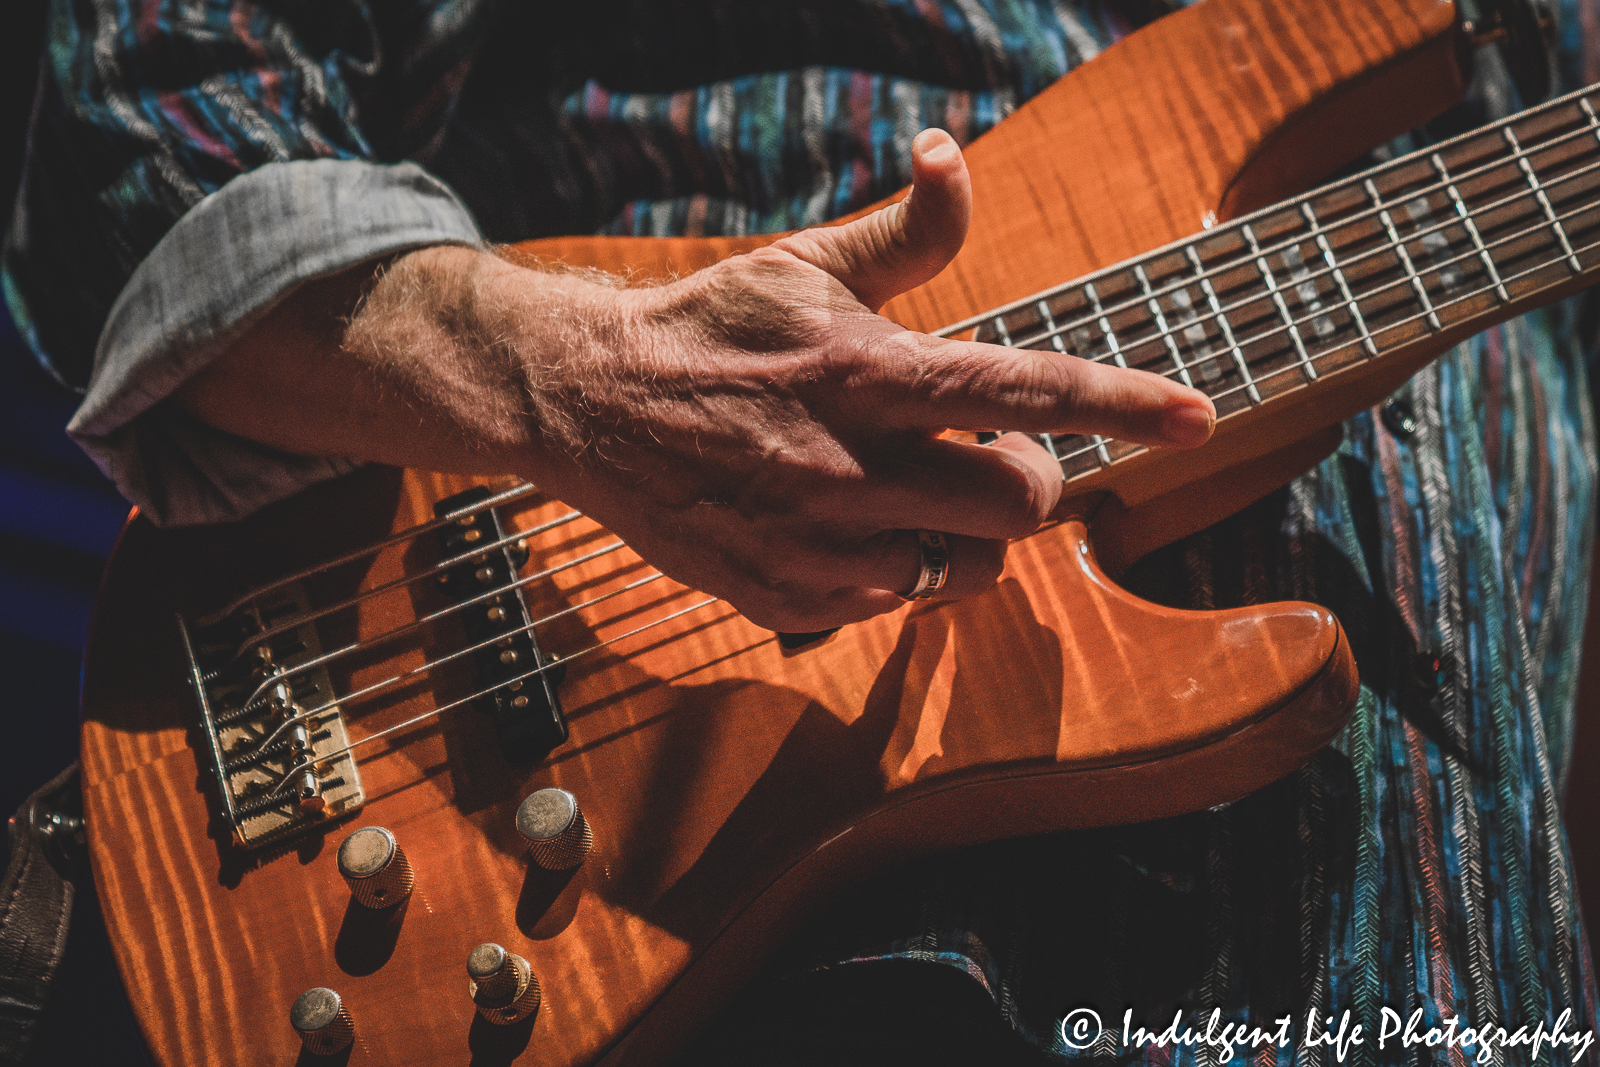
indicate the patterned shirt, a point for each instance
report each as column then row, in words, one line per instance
column 1419, row 863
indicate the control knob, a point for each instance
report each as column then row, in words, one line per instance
column 318, row 1016
column 558, row 835
column 502, row 984
column 375, row 868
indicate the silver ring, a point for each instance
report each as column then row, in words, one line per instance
column 935, row 566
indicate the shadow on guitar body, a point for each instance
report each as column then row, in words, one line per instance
column 839, row 767
column 1130, row 917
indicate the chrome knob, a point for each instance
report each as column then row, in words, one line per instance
column 375, row 868
column 558, row 835
column 318, row 1016
column 502, row 984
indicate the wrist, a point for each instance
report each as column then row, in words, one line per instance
column 559, row 337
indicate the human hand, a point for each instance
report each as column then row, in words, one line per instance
column 756, row 431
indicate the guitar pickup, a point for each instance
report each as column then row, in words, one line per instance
column 518, row 678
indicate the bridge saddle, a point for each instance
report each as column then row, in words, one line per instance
column 268, row 714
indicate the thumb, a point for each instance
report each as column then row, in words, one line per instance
column 903, row 245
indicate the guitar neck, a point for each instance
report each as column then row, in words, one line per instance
column 1425, row 249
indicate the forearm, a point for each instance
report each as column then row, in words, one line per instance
column 431, row 359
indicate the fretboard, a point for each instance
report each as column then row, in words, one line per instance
column 1460, row 235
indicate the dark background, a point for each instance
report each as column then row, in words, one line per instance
column 58, row 521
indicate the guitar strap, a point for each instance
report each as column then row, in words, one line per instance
column 35, row 903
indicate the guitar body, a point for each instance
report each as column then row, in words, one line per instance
column 732, row 785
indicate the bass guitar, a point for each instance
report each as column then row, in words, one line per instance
column 433, row 770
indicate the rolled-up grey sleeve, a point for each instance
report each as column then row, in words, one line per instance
column 224, row 265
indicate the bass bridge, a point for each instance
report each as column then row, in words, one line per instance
column 272, row 722
column 269, row 720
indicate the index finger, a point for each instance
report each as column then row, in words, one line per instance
column 917, row 381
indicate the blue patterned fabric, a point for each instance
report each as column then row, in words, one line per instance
column 618, row 116
column 1417, row 864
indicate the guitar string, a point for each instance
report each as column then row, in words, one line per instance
column 1256, row 296
column 325, row 658
column 1487, row 289
column 521, row 582
column 503, row 497
column 373, row 688
column 1247, row 261
column 1521, row 151
column 1318, row 274
column 293, row 622
column 1087, row 449
column 1365, row 294
column 416, row 720
column 1343, row 224
column 1525, row 150
column 424, row 717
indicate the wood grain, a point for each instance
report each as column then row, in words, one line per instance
column 727, row 783
column 730, row 786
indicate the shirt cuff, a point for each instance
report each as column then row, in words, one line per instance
column 226, row 263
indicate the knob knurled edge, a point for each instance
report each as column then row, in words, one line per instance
column 566, row 851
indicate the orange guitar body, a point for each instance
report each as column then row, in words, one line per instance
column 732, row 786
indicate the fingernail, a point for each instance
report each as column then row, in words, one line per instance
column 1186, row 424
column 934, row 144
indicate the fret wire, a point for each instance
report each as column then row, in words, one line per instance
column 1161, row 325
column 1338, row 276
column 1060, row 346
column 1334, row 271
column 1283, row 305
column 1050, row 326
column 1222, row 321
column 1449, row 303
column 1504, row 201
column 1507, row 239
column 1570, row 175
column 1405, row 256
column 1105, row 325
column 1544, row 201
column 1472, row 228
column 1536, row 268
column 1389, row 285
column 1002, row 331
column 1358, row 217
column 1594, row 120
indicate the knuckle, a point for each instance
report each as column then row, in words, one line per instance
column 1021, row 500
column 1047, row 384
column 761, row 301
column 977, row 567
column 1033, row 501
column 774, row 606
column 989, row 559
column 899, row 365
